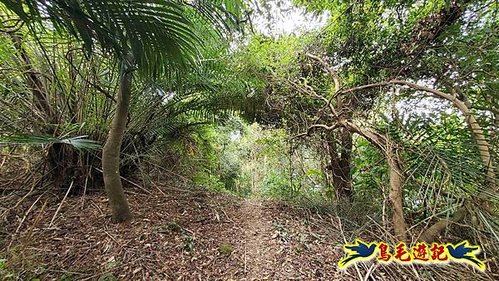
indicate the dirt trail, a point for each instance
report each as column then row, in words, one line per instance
column 189, row 235
column 174, row 236
column 259, row 247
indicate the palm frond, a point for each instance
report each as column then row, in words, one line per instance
column 160, row 35
column 79, row 142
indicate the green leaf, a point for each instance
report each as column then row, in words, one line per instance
column 79, row 142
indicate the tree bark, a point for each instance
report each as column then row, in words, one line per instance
column 396, row 193
column 387, row 146
column 111, row 151
column 483, row 145
column 433, row 231
column 477, row 132
column 340, row 165
column 346, row 163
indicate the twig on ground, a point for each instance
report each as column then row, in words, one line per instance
column 84, row 191
column 60, row 205
column 24, row 218
column 131, row 182
column 370, row 270
column 345, row 240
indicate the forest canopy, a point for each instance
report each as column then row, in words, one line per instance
column 376, row 120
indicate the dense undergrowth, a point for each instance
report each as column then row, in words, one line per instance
column 381, row 124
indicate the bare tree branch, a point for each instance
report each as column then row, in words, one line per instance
column 334, row 75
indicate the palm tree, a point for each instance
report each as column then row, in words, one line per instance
column 156, row 38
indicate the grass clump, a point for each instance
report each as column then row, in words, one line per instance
column 225, row 249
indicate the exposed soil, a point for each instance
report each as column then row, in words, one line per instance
column 175, row 235
column 260, row 248
column 178, row 234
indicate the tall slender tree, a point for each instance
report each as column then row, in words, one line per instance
column 156, row 38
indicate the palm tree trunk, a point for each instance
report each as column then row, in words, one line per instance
column 111, row 151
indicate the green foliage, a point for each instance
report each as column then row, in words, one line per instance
column 370, row 173
column 272, row 56
column 5, row 273
column 225, row 249
column 188, row 243
column 173, row 226
column 81, row 91
column 202, row 122
column 159, row 35
column 67, row 277
column 108, row 277
column 79, row 142
column 250, row 160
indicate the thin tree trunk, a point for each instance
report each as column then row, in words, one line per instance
column 484, row 147
column 477, row 132
column 433, row 231
column 396, row 192
column 345, row 163
column 111, row 151
column 340, row 165
column 40, row 100
column 395, row 172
